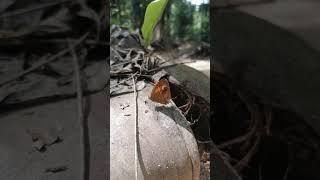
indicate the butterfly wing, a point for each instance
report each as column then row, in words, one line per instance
column 156, row 94
column 167, row 93
column 161, row 92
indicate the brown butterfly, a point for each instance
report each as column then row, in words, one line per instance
column 161, row 92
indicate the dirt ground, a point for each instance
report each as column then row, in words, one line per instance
column 20, row 159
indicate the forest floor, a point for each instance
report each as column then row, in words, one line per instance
column 47, row 50
column 43, row 141
column 40, row 131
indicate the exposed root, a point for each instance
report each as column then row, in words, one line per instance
column 252, row 129
column 246, row 159
column 268, row 119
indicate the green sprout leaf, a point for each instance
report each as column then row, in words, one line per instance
column 152, row 16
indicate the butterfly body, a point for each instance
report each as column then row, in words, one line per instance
column 161, row 92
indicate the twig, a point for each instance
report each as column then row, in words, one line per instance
column 124, row 80
column 204, row 142
column 244, row 161
column 122, row 63
column 136, row 126
column 40, row 42
column 41, row 63
column 116, row 52
column 94, row 16
column 85, row 165
column 216, row 151
column 268, row 118
column 63, row 41
column 240, row 138
column 119, row 72
column 33, row 8
column 255, row 117
column 190, row 102
column 161, row 58
column 285, row 176
column 260, row 169
column 162, row 67
column 194, row 121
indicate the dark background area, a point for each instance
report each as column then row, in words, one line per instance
column 264, row 90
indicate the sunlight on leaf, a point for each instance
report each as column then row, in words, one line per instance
column 152, row 16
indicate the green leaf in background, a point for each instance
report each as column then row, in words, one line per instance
column 152, row 16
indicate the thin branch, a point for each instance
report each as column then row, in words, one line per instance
column 122, row 63
column 41, row 63
column 33, row 8
column 285, row 176
column 81, row 118
column 268, row 118
column 166, row 66
column 245, row 160
column 136, row 126
column 242, row 138
column 116, row 52
column 88, row 41
column 255, row 118
column 215, row 150
column 123, row 80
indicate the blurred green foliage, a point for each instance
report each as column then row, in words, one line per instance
column 181, row 21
